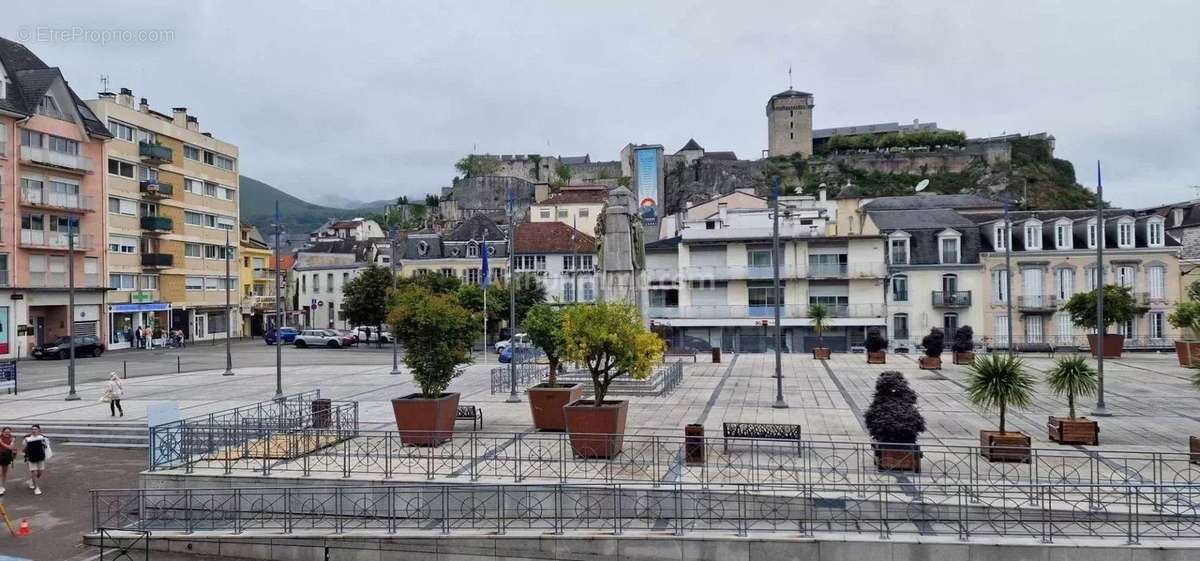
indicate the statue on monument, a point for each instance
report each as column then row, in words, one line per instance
column 621, row 252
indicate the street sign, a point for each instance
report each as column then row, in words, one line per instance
column 320, row 303
column 8, row 376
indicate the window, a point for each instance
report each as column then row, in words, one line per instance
column 1062, row 235
column 1091, row 234
column 214, row 283
column 1065, row 326
column 1089, row 279
column 123, row 282
column 49, row 107
column 949, row 248
column 120, row 130
column 316, row 282
column 191, row 152
column 194, row 186
column 949, row 323
column 193, row 218
column 999, row 240
column 122, row 244
column 1125, row 233
column 193, row 283
column 900, row 288
column 1033, row 329
column 1000, row 328
column 758, row 258
column 568, row 292
column 1033, row 235
column 345, row 278
column 1155, row 319
column 210, row 221
column 544, row 213
column 563, row 213
column 31, row 138
column 999, row 285
column 763, row 294
column 1125, row 276
column 210, row 189
column 224, row 223
column 588, row 295
column 1156, row 282
column 149, row 282
column 224, row 162
column 583, row 212
column 328, row 282
column 193, row 250
column 900, row 326
column 1154, row 233
column 827, row 265
column 1126, row 329
column 665, row 298
column 898, row 250
column 1064, row 280
column 117, row 205
column 123, row 169
column 472, row 249
column 63, row 145
column 472, row 275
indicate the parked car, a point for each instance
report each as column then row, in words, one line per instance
column 85, row 345
column 319, row 338
column 522, row 339
column 506, row 355
column 288, row 334
column 371, row 334
column 349, row 338
column 688, row 344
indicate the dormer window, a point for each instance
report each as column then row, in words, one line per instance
column 898, row 249
column 1154, row 233
column 950, row 247
column 472, row 249
column 49, row 107
column 999, row 240
column 1091, row 234
column 1033, row 235
column 1125, row 237
column 1176, row 214
column 1063, row 239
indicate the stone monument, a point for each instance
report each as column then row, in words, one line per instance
column 621, row 253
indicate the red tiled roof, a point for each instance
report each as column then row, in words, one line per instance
column 288, row 261
column 594, row 194
column 552, row 237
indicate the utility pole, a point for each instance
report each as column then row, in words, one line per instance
column 229, row 315
column 395, row 286
column 574, row 262
column 512, row 306
column 72, row 225
column 1101, row 328
column 278, row 313
column 778, row 297
column 1008, row 296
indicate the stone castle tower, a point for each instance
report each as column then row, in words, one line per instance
column 789, row 123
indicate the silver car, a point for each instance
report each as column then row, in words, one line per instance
column 318, row 338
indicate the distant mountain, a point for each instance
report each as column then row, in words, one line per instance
column 257, row 200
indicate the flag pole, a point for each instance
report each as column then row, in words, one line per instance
column 484, row 276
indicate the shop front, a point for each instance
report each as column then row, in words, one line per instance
column 126, row 319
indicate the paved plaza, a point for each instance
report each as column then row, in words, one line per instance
column 1153, row 404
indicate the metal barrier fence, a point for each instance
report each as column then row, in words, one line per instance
column 663, row 380
column 175, row 443
column 528, row 374
column 1045, row 512
column 656, row 460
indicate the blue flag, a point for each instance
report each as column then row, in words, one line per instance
column 483, row 256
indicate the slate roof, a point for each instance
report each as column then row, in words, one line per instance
column 473, row 228
column 575, row 160
column 691, row 145
column 665, row 244
column 722, row 155
column 962, row 201
column 790, row 93
column 924, row 226
column 933, row 219
column 552, row 237
column 31, row 78
column 578, row 195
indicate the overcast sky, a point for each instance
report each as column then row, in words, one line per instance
column 370, row 100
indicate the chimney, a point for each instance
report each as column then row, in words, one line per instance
column 822, row 194
column 144, row 106
column 125, row 98
column 108, row 95
column 179, row 116
column 723, row 212
column 193, row 124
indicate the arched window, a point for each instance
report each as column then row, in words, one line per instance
column 472, row 249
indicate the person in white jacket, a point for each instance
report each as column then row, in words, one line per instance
column 114, row 390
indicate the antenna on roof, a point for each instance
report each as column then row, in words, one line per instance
column 104, row 83
column 922, row 185
column 789, row 76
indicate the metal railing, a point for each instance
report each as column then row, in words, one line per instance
column 786, row 271
column 56, row 240
column 1044, row 343
column 157, row 223
column 1130, row 513
column 156, row 188
column 158, row 260
column 952, row 299
column 66, row 201
column 1037, row 302
column 45, row 156
column 528, row 374
column 663, row 380
column 154, row 153
column 790, row 311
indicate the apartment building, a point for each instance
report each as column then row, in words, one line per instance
column 1054, row 257
column 457, row 253
column 172, row 208
column 51, row 210
column 257, row 286
column 321, row 272
column 713, row 280
column 576, row 206
column 561, row 257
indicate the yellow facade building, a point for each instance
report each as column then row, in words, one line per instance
column 257, row 286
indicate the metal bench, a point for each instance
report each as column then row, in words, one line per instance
column 681, row 353
column 764, row 431
column 472, row 413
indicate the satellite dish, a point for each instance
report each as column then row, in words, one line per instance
column 922, row 185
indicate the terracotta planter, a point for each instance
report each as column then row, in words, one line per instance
column 596, row 432
column 1188, row 353
column 1079, row 430
column 425, row 422
column 964, row 358
column 1194, row 449
column 1009, row 446
column 930, row 362
column 822, row 353
column 877, row 358
column 546, row 404
column 1113, row 345
column 897, row 457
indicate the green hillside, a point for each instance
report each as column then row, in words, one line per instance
column 257, row 200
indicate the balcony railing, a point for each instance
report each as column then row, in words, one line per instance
column 763, row 312
column 57, row 201
column 847, row 270
column 157, row 223
column 1037, row 302
column 43, row 239
column 767, row 272
column 156, row 189
column 158, row 260
column 154, row 153
column 47, row 157
column 4, row 278
column 264, row 274
column 952, row 299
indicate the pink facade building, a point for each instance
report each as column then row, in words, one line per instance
column 52, row 152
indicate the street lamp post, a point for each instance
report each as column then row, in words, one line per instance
column 775, row 255
column 512, row 307
column 228, row 315
column 395, row 286
column 278, row 313
column 1101, row 328
column 1008, row 307
column 71, row 227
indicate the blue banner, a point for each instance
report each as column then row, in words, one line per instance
column 647, row 184
column 148, row 307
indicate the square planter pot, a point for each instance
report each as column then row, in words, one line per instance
column 1009, row 446
column 964, row 358
column 1113, row 345
column 897, row 457
column 596, row 432
column 1079, row 430
column 877, row 358
column 930, row 362
column 693, row 444
column 822, row 353
column 1194, row 449
column 425, row 422
column 1188, row 353
column 546, row 405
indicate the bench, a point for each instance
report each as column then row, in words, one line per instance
column 472, row 413
column 765, row 431
column 682, row 352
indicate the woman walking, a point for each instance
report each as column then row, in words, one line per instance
column 8, row 451
column 37, row 451
column 114, row 390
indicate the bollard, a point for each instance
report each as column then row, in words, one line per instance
column 124, row 370
column 716, row 355
column 178, row 365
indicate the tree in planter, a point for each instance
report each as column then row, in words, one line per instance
column 544, row 325
column 893, row 418
column 1187, row 317
column 437, row 333
column 365, row 298
column 611, row 341
column 934, row 344
column 819, row 314
column 1072, row 377
column 1118, row 307
column 964, row 341
column 999, row 381
column 875, row 342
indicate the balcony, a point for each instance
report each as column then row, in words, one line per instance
column 41, row 239
column 1038, row 303
column 157, row 224
column 58, row 160
column 762, row 312
column 158, row 260
column 154, row 189
column 952, row 299
column 264, row 274
column 57, row 201
column 846, row 270
column 738, row 272
column 154, row 154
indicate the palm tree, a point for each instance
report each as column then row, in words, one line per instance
column 1072, row 377
column 999, row 381
column 819, row 314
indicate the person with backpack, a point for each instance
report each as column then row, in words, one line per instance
column 37, row 451
column 8, row 451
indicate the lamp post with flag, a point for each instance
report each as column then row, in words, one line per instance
column 484, row 277
column 512, row 305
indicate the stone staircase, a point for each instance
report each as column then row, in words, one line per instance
column 103, row 434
